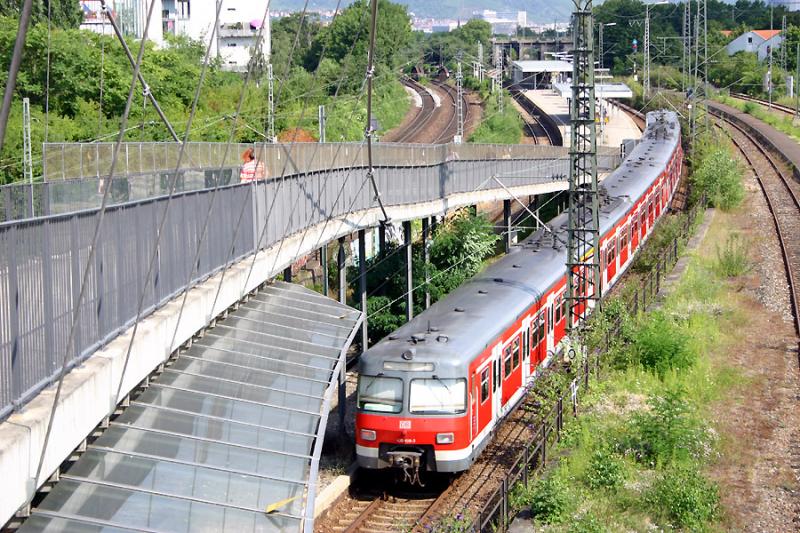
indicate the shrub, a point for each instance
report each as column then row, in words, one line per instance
column 685, row 498
column 669, row 431
column 549, row 500
column 661, row 345
column 719, row 177
column 732, row 258
column 605, row 470
column 666, row 233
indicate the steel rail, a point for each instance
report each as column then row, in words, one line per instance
column 779, row 219
column 747, row 98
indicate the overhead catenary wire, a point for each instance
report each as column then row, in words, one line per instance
column 76, row 312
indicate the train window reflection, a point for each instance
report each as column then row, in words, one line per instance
column 438, row 396
column 382, row 395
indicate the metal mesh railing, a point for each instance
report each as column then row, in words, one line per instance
column 43, row 259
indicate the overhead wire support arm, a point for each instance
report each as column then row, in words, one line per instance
column 368, row 132
column 145, row 88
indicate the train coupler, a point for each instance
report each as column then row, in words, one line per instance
column 409, row 462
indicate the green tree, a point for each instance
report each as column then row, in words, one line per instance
column 63, row 13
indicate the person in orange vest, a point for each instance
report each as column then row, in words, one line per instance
column 252, row 169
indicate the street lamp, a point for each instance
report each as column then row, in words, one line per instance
column 647, row 45
column 600, row 47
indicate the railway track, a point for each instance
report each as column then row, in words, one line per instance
column 637, row 116
column 432, row 124
column 781, row 193
column 778, row 107
column 537, row 130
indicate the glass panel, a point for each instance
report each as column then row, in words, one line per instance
column 438, row 396
column 262, row 363
column 53, row 524
column 202, row 452
column 188, row 481
column 149, row 511
column 218, row 430
column 239, row 391
column 250, row 376
column 381, row 395
column 273, row 351
column 263, row 339
column 276, row 330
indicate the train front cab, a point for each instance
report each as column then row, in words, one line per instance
column 413, row 422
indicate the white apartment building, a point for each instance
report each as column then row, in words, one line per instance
column 233, row 42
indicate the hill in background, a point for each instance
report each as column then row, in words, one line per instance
column 541, row 11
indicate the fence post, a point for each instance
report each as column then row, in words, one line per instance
column 544, row 444
column 504, row 518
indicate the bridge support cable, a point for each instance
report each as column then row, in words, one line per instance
column 583, row 232
column 145, row 88
column 370, row 127
column 90, row 262
column 13, row 68
column 173, row 183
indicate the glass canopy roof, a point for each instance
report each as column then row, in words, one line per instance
column 228, row 430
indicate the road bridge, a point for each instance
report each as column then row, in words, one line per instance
column 254, row 231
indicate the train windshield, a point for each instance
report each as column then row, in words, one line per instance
column 382, row 395
column 438, row 396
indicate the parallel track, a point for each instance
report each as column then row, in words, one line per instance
column 778, row 107
column 420, row 121
column 449, row 107
column 431, row 124
column 781, row 193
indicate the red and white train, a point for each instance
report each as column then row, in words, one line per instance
column 430, row 394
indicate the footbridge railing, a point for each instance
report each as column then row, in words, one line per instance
column 43, row 259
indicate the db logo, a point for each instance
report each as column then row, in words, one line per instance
column 405, row 424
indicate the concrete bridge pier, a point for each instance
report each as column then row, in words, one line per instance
column 426, row 257
column 409, row 270
column 362, row 285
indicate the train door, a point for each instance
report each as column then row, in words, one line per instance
column 611, row 257
column 482, row 411
column 512, row 368
column 651, row 219
column 623, row 245
column 643, row 221
column 658, row 198
column 497, row 383
column 560, row 316
column 526, row 351
column 538, row 342
column 548, row 315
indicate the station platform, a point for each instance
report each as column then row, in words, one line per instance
column 618, row 127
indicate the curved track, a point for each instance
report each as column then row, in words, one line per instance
column 431, row 124
column 777, row 107
column 781, row 193
column 536, row 128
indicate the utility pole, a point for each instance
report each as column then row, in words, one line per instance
column 480, row 62
column 600, row 53
column 271, row 105
column 687, row 44
column 459, row 103
column 27, row 158
column 583, row 235
column 700, row 74
column 797, row 84
column 769, row 70
column 13, row 67
column 368, row 132
column 646, row 68
column 783, row 48
column 500, row 83
column 321, row 119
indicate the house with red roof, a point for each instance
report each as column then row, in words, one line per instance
column 756, row 41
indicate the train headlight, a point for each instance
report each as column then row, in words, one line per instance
column 445, row 438
column 368, row 434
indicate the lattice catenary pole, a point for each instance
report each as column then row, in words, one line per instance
column 460, row 104
column 687, row 44
column 583, row 236
column 646, row 68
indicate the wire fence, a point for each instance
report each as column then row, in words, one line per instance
column 496, row 512
column 76, row 175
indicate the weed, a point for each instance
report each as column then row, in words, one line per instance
column 605, row 470
column 732, row 258
column 550, row 500
column 669, row 431
column 686, row 499
column 660, row 345
column 588, row 523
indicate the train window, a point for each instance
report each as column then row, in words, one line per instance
column 611, row 252
column 515, row 352
column 438, row 396
column 535, row 335
column 484, row 385
column 379, row 394
column 541, row 328
column 623, row 238
column 507, row 362
column 563, row 306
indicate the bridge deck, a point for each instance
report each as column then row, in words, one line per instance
column 230, row 427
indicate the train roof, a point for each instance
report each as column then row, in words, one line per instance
column 461, row 325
